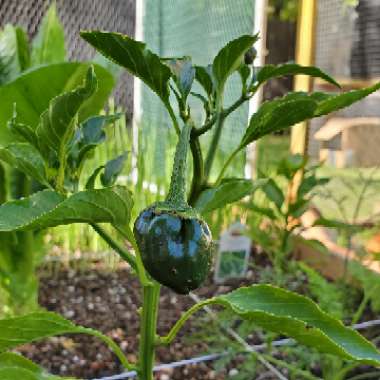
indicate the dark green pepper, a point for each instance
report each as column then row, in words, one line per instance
column 174, row 242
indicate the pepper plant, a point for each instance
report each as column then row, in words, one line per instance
column 171, row 243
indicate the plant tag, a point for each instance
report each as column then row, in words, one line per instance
column 233, row 254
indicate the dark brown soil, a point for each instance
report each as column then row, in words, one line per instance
column 109, row 301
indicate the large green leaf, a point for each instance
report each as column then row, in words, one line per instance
column 14, row 53
column 287, row 313
column 49, row 44
column 135, row 57
column 48, row 209
column 273, row 71
column 230, row 190
column 31, row 327
column 26, row 158
column 16, row 367
column 58, row 122
column 229, row 59
column 279, row 114
column 330, row 103
column 33, row 90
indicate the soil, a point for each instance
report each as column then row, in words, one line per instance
column 108, row 300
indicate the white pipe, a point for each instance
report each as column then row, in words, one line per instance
column 259, row 26
column 137, row 87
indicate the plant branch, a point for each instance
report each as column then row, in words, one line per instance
column 173, row 118
column 226, row 165
column 198, row 171
column 112, row 345
column 128, row 234
column 179, row 324
column 122, row 252
column 225, row 113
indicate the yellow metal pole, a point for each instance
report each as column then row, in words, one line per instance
column 307, row 20
column 305, row 49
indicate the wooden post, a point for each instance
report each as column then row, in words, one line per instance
column 305, row 48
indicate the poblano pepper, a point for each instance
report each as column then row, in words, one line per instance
column 174, row 242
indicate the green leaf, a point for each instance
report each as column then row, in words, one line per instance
column 90, row 184
column 203, row 75
column 230, row 190
column 274, row 193
column 49, row 209
column 272, row 71
column 135, row 57
column 309, row 183
column 298, row 317
column 31, row 327
column 26, row 158
column 330, row 103
column 23, row 131
column 112, row 170
column 279, row 114
column 14, row 53
column 58, row 122
column 314, row 244
column 229, row 59
column 183, row 72
column 331, row 223
column 89, row 135
column 49, row 44
column 268, row 212
column 33, row 90
column 16, row 367
column 291, row 164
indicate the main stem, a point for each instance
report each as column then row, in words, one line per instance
column 151, row 296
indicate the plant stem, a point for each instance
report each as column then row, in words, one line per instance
column 112, row 345
column 216, row 137
column 151, row 297
column 128, row 234
column 185, row 316
column 359, row 312
column 198, row 170
column 225, row 166
column 173, row 118
column 123, row 253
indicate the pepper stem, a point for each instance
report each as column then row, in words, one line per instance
column 177, row 190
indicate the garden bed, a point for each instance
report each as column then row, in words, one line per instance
column 108, row 300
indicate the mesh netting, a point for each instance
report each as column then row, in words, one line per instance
column 197, row 28
column 76, row 15
column 347, row 46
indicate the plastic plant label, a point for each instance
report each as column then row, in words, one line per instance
column 233, row 254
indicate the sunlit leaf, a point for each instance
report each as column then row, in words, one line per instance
column 135, row 57
column 298, row 317
column 229, row 59
column 230, row 190
column 48, row 209
column 26, row 158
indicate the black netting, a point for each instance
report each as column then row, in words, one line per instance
column 112, row 15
